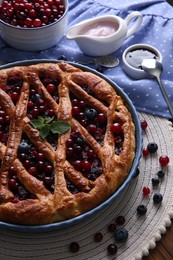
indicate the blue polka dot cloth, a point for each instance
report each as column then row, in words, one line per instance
column 156, row 30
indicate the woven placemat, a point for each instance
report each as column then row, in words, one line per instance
column 144, row 231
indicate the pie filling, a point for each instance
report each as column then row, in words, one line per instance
column 80, row 154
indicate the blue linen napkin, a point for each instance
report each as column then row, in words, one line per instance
column 156, row 30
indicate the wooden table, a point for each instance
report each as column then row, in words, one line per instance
column 164, row 248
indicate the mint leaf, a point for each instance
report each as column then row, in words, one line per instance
column 59, row 127
column 45, row 126
column 44, row 131
column 37, row 123
column 48, row 120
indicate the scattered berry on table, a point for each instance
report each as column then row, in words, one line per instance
column 161, row 174
column 112, row 227
column 74, row 247
column 137, row 172
column 100, row 69
column 164, row 160
column 146, row 191
column 62, row 57
column 141, row 210
column 145, row 152
column 155, row 181
column 120, row 220
column 112, row 249
column 98, row 237
column 121, row 235
column 152, row 147
column 157, row 198
column 144, row 124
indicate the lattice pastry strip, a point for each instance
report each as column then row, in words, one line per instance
column 45, row 180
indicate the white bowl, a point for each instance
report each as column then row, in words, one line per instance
column 132, row 67
column 34, row 39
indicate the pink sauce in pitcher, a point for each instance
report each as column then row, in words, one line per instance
column 100, row 29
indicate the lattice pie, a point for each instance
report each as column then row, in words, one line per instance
column 66, row 142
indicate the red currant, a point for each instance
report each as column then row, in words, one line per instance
column 37, row 22
column 112, row 227
column 39, row 157
column 145, row 152
column 101, row 118
column 144, row 124
column 14, row 96
column 98, row 237
column 91, row 129
column 74, row 247
column 146, row 191
column 82, row 104
column 32, row 170
column 78, row 165
column 13, row 184
column 116, row 128
column 50, row 88
column 120, row 220
column 75, row 111
column 69, row 142
column 164, row 160
column 86, row 166
column 15, row 200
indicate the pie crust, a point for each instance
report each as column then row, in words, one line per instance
column 44, row 205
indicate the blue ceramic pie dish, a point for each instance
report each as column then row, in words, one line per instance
column 138, row 137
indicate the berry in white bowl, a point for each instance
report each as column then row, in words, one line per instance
column 32, row 25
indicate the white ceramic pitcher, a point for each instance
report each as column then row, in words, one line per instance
column 105, row 34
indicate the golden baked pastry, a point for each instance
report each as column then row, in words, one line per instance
column 48, row 176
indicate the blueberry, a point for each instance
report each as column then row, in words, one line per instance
column 24, row 147
column 121, row 235
column 80, row 141
column 91, row 113
column 35, row 97
column 160, row 174
column 157, row 198
column 141, row 210
column 136, row 173
column 152, row 147
column 155, row 181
